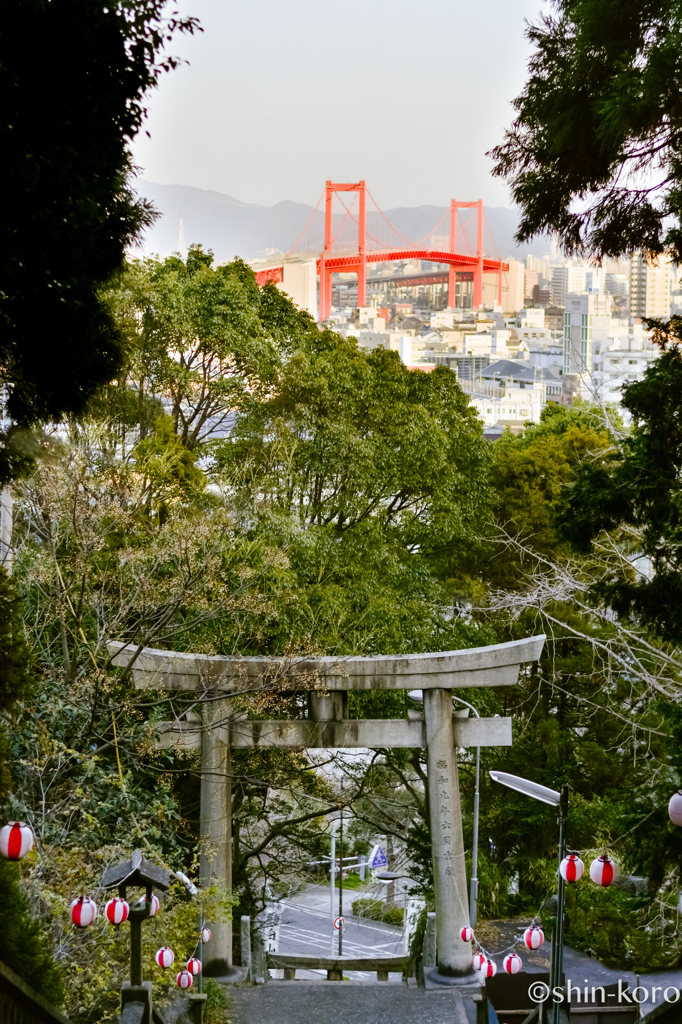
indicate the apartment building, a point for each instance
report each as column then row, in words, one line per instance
column 650, row 287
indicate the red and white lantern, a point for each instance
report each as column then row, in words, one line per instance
column 16, row 840
column 675, row 808
column 164, row 957
column 572, row 868
column 466, row 934
column 602, row 871
column 478, row 960
column 534, row 937
column 83, row 912
column 155, row 903
column 205, row 934
column 117, row 910
column 488, row 969
column 194, row 966
column 512, row 963
column 184, row 979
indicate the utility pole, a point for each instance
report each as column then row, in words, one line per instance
column 341, row 885
column 332, row 871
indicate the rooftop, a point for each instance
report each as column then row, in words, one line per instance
column 517, row 370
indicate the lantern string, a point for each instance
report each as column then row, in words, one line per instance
column 536, row 920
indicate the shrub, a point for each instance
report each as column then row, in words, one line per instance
column 24, row 945
column 377, row 910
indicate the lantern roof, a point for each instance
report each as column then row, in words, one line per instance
column 136, row 871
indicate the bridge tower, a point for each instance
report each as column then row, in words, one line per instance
column 325, row 274
column 478, row 269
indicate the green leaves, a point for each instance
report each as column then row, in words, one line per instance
column 639, row 488
column 351, row 438
column 195, row 337
column 73, row 214
column 594, row 152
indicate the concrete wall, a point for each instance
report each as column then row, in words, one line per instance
column 512, row 287
column 300, row 284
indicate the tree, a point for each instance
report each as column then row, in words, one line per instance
column 600, row 709
column 637, row 493
column 531, row 472
column 196, row 337
column 595, row 151
column 74, row 79
column 374, row 478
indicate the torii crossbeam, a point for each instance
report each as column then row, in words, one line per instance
column 328, row 681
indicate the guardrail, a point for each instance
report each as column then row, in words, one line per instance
column 23, row 1005
column 335, row 966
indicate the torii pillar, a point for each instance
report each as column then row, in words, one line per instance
column 437, row 675
column 215, row 852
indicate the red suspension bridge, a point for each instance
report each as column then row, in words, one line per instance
column 348, row 240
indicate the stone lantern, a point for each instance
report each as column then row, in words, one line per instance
column 137, row 873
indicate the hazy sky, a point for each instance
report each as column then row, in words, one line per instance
column 280, row 95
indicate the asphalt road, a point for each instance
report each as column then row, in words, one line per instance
column 306, row 929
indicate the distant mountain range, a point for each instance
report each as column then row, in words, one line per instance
column 232, row 228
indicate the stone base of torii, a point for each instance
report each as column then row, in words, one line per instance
column 328, row 681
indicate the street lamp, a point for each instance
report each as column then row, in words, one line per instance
column 417, row 695
column 547, row 796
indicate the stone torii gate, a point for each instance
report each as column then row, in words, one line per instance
column 327, row 680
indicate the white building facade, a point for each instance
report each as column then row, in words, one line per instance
column 650, row 287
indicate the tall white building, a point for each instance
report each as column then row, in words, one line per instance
column 617, row 284
column 650, row 287
column 582, row 326
column 567, row 278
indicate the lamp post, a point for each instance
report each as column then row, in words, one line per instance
column 547, row 796
column 417, row 695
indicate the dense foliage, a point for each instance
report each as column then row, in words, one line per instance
column 74, row 80
column 638, row 490
column 251, row 484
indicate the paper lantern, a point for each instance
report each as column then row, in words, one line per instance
column 572, row 868
column 602, row 871
column 512, row 963
column 466, row 934
column 16, row 839
column 533, row 937
column 194, row 966
column 164, row 957
column 116, row 910
column 488, row 969
column 155, row 903
column 184, row 979
column 478, row 960
column 205, row 934
column 675, row 808
column 83, row 911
